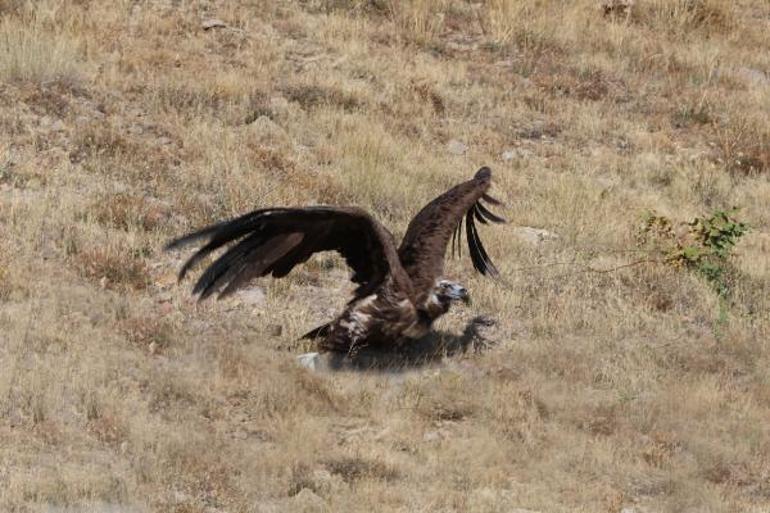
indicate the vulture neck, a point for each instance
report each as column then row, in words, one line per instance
column 436, row 306
column 433, row 308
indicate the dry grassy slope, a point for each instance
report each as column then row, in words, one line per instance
column 124, row 123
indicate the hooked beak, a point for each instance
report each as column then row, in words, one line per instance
column 458, row 292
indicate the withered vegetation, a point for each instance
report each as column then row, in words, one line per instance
column 124, row 123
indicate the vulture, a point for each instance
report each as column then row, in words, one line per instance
column 401, row 290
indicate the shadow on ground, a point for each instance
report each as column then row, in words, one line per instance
column 429, row 350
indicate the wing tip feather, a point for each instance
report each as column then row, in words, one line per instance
column 479, row 257
column 492, row 201
column 483, row 173
column 488, row 215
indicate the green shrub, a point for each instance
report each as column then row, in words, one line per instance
column 703, row 245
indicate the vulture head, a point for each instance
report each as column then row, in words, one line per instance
column 447, row 292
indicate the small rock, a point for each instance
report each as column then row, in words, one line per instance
column 321, row 476
column 309, row 360
column 494, row 499
column 166, row 296
column 515, row 153
column 456, row 147
column 254, row 296
column 534, row 235
column 633, row 509
column 164, row 281
column 384, row 434
column 180, row 497
column 166, row 308
column 263, row 123
column 278, row 103
column 275, row 330
column 324, row 482
column 525, row 83
column 753, row 76
column 307, row 501
column 212, row 23
column 153, row 348
column 265, row 128
column 462, row 43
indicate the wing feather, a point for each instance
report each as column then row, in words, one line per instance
column 477, row 213
column 222, row 269
column 276, row 240
column 454, row 241
column 459, row 232
column 479, row 256
column 484, row 211
column 457, row 239
column 492, row 201
column 253, row 260
column 423, row 248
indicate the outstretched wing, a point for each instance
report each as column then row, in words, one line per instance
column 424, row 245
column 275, row 240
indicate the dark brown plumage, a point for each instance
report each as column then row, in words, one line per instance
column 400, row 290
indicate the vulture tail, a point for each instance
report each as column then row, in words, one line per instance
column 319, row 332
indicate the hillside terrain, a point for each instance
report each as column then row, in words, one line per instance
column 630, row 369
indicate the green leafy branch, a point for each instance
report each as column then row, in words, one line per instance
column 703, row 245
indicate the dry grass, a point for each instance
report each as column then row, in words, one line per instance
column 35, row 52
column 125, row 123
